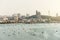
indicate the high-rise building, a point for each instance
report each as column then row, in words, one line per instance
column 56, row 14
column 18, row 14
column 27, row 15
column 38, row 15
column 49, row 12
column 15, row 17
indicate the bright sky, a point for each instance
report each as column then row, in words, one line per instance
column 9, row 7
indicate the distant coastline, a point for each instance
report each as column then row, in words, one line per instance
column 37, row 18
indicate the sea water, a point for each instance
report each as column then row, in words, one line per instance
column 18, row 31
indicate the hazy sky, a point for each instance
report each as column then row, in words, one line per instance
column 9, row 7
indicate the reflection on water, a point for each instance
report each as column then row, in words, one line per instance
column 30, row 31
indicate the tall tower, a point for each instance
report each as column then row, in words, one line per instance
column 38, row 15
column 18, row 14
column 15, row 17
column 56, row 14
column 27, row 15
column 18, row 17
column 49, row 19
column 49, row 13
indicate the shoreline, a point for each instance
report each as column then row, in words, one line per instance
column 30, row 23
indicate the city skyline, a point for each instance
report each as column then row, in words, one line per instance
column 9, row 7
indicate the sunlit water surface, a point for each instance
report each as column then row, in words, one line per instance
column 42, row 31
